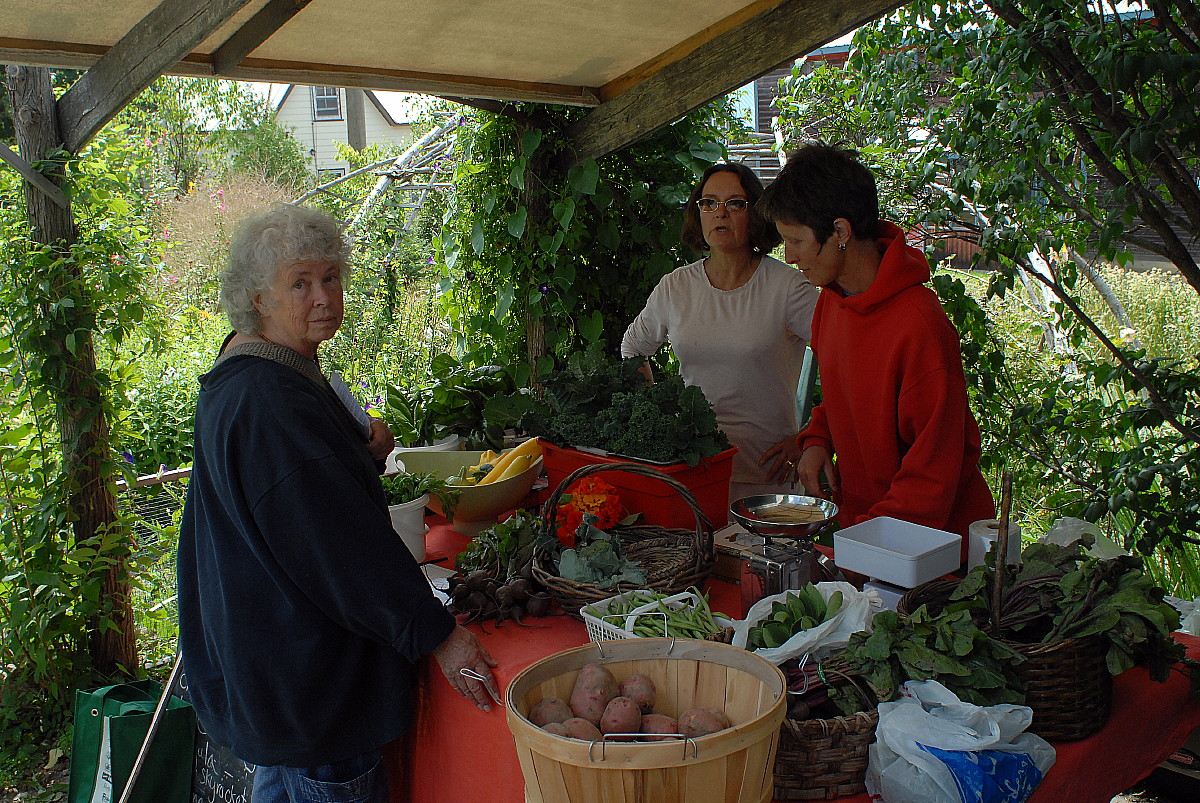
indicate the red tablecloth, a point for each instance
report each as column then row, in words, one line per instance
column 458, row 753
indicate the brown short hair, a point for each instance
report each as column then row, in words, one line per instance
column 819, row 184
column 763, row 236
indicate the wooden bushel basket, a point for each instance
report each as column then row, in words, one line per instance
column 731, row 766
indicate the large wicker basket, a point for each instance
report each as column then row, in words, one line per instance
column 1067, row 683
column 673, row 559
column 824, row 759
column 1068, row 686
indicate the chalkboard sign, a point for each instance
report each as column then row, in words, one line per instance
column 217, row 775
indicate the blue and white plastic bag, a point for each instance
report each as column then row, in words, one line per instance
column 932, row 747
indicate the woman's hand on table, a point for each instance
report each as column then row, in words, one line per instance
column 815, row 461
column 462, row 650
column 786, row 456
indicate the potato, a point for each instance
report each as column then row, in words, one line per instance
column 621, row 715
column 549, row 709
column 580, row 728
column 594, row 688
column 557, row 728
column 641, row 690
column 702, row 720
column 658, row 723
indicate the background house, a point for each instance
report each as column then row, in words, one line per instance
column 321, row 117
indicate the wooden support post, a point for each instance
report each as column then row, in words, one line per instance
column 83, row 428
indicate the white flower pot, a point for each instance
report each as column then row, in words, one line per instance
column 408, row 520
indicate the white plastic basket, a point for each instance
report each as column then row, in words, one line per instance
column 602, row 626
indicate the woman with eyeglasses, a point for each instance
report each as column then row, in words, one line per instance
column 738, row 320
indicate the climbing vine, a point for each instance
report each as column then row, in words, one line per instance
column 540, row 260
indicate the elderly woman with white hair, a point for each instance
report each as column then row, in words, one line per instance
column 303, row 617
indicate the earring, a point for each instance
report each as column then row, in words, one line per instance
column 841, row 246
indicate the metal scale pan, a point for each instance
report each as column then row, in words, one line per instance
column 777, row 567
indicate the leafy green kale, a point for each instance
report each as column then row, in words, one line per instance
column 598, row 559
column 600, row 403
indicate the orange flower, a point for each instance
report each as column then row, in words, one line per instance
column 588, row 495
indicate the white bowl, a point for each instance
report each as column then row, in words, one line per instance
column 478, row 505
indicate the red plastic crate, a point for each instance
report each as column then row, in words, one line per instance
column 659, row 503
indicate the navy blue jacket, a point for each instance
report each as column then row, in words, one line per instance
column 302, row 613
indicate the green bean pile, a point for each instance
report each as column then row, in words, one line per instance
column 686, row 621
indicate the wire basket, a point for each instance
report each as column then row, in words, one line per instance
column 674, row 559
column 603, row 626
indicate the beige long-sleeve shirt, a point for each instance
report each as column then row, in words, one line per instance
column 742, row 347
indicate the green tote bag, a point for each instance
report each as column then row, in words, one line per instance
column 110, row 724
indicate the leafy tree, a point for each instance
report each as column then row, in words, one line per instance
column 540, row 262
column 202, row 126
column 1047, row 132
column 57, row 595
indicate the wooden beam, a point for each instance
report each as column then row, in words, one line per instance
column 724, row 63
column 30, row 173
column 81, row 57
column 160, row 39
column 269, row 19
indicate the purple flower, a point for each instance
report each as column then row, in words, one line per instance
column 429, row 261
column 128, row 455
column 469, row 276
column 544, row 288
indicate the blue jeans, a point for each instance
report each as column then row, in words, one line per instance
column 362, row 779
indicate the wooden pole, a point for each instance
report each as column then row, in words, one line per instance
column 1001, row 556
column 83, row 427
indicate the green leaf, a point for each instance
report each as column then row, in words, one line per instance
column 584, row 177
column 477, row 237
column 504, row 300
column 592, row 326
column 530, row 141
column 516, row 222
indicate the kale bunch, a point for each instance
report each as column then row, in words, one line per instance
column 598, row 559
column 600, row 403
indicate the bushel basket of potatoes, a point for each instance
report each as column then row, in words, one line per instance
column 655, row 719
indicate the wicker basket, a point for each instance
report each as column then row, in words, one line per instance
column 935, row 594
column 673, row 559
column 824, row 759
column 1068, row 686
column 1067, row 683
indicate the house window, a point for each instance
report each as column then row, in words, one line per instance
column 327, row 103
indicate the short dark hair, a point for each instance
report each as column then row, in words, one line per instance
column 763, row 236
column 819, row 184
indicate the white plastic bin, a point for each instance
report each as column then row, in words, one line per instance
column 897, row 552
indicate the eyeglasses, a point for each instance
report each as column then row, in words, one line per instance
column 732, row 205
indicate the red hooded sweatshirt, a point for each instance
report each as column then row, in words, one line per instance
column 894, row 400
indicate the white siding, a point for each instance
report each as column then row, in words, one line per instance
column 296, row 115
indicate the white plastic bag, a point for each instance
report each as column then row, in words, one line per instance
column 822, row 640
column 1067, row 531
column 931, row 747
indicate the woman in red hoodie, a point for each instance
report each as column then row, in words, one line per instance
column 893, row 434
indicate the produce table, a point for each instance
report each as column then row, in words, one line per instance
column 463, row 754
